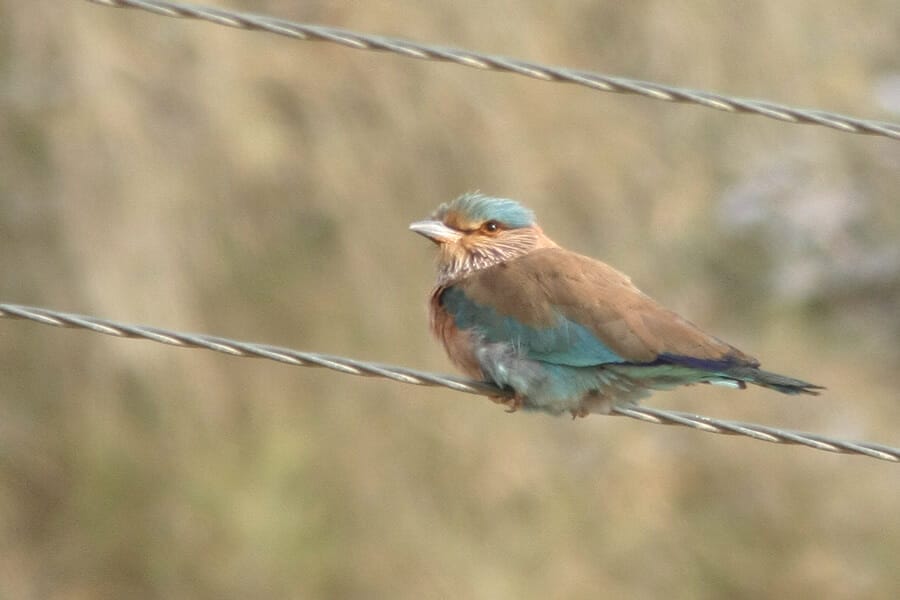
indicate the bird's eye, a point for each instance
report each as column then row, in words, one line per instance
column 491, row 226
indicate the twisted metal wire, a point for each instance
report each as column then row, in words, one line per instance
column 468, row 58
column 414, row 377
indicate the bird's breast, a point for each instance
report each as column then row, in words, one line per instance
column 460, row 345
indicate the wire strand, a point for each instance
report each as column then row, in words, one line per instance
column 468, row 58
column 411, row 376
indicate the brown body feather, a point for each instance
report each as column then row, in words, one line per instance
column 630, row 323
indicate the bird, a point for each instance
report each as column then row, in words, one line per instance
column 560, row 332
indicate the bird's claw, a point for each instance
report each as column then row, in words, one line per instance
column 512, row 404
column 580, row 412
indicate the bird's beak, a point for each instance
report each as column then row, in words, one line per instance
column 435, row 231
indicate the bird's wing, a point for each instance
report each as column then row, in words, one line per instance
column 564, row 308
column 558, row 341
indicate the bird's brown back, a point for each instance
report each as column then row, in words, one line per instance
column 535, row 288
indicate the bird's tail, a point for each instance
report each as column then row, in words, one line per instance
column 774, row 381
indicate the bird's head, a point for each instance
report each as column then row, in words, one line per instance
column 476, row 232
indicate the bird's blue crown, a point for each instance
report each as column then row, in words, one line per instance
column 478, row 207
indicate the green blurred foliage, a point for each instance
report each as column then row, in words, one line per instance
column 202, row 178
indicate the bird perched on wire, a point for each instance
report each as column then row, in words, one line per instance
column 561, row 331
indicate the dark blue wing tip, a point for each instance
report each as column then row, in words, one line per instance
column 704, row 364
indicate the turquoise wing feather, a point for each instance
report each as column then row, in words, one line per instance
column 563, row 343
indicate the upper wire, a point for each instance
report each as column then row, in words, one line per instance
column 477, row 60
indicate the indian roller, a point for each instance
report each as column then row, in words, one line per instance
column 561, row 331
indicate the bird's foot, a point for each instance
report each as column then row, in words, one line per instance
column 593, row 403
column 512, row 403
column 580, row 412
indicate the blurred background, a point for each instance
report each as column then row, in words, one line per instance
column 201, row 178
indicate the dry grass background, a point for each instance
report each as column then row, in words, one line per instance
column 206, row 179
